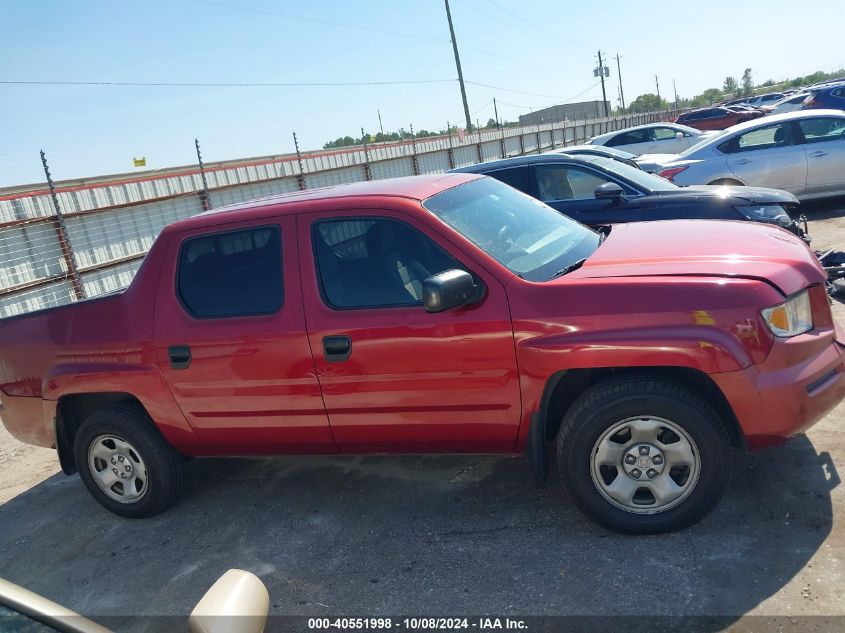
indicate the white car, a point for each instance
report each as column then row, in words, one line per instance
column 764, row 100
column 654, row 138
column 790, row 103
column 800, row 152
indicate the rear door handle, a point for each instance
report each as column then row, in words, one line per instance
column 742, row 161
column 180, row 356
column 337, row 348
column 818, row 153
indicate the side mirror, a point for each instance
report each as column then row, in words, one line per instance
column 609, row 191
column 238, row 601
column 679, row 135
column 447, row 290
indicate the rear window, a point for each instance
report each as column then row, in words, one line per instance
column 237, row 273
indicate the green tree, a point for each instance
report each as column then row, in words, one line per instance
column 730, row 86
column 647, row 103
column 491, row 123
column 747, row 83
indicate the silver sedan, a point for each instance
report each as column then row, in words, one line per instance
column 800, row 152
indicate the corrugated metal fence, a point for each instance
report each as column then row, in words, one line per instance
column 105, row 226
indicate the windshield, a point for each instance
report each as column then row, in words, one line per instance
column 521, row 233
column 644, row 180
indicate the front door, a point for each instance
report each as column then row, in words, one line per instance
column 231, row 344
column 571, row 190
column 767, row 157
column 394, row 377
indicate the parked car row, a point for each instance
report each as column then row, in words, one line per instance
column 824, row 95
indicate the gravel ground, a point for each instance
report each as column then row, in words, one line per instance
column 436, row 535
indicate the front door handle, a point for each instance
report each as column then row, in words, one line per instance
column 743, row 161
column 180, row 356
column 818, row 153
column 337, row 348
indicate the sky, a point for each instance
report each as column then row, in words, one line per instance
column 534, row 52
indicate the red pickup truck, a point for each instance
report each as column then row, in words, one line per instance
column 445, row 313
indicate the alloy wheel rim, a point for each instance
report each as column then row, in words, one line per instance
column 117, row 468
column 645, row 464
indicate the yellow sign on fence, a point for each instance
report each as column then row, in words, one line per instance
column 140, row 162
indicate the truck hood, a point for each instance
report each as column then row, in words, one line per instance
column 711, row 248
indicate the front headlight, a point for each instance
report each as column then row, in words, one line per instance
column 771, row 213
column 791, row 318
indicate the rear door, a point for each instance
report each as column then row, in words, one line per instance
column 768, row 157
column 231, row 343
column 394, row 377
column 823, row 139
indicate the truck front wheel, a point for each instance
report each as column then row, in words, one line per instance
column 643, row 455
column 125, row 462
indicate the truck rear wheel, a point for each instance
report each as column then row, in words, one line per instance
column 125, row 462
column 643, row 455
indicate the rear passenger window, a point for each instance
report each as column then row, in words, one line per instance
column 375, row 263
column 238, row 273
column 630, row 138
column 516, row 177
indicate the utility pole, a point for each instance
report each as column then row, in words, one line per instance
column 675, row 90
column 619, row 72
column 206, row 203
column 380, row 126
column 603, row 93
column 62, row 236
column 657, row 83
column 300, row 177
column 496, row 112
column 458, row 65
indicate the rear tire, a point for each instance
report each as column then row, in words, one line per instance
column 125, row 462
column 727, row 181
column 642, row 455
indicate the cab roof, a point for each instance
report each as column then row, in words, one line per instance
column 411, row 187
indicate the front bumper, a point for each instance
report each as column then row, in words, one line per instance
column 800, row 381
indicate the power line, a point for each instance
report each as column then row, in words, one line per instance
column 318, row 20
column 304, row 84
column 557, row 36
column 532, row 94
column 510, row 59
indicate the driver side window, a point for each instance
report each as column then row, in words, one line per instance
column 561, row 182
column 664, row 134
column 374, row 262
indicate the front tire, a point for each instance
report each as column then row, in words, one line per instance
column 726, row 181
column 643, row 455
column 125, row 462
